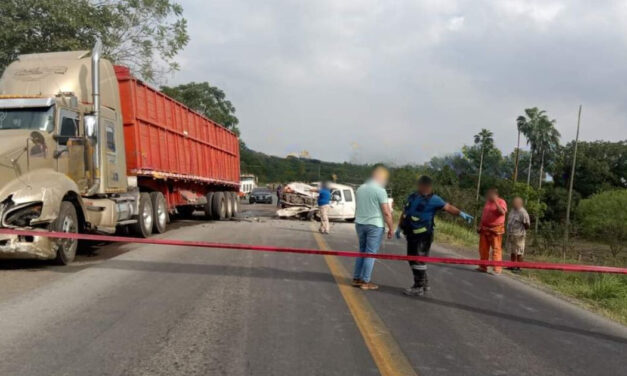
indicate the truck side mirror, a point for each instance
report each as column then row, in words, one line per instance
column 90, row 126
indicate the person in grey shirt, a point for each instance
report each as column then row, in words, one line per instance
column 517, row 224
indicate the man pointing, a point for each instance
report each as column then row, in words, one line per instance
column 417, row 223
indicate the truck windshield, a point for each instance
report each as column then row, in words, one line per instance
column 38, row 118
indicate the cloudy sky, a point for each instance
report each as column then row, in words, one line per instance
column 402, row 81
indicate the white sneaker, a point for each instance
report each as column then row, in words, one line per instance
column 414, row 291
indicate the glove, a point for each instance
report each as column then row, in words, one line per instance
column 398, row 233
column 466, row 217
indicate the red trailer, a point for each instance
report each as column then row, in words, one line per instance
column 191, row 160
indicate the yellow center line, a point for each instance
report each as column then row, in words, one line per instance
column 385, row 351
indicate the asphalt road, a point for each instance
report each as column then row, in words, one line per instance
column 156, row 310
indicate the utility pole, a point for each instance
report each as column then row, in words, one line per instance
column 480, row 171
column 570, row 187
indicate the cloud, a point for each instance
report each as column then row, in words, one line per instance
column 402, row 81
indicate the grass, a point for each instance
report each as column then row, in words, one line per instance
column 602, row 293
column 451, row 232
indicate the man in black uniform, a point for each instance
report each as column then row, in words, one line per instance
column 417, row 224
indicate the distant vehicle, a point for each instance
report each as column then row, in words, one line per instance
column 248, row 182
column 260, row 196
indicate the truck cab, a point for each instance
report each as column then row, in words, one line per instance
column 61, row 151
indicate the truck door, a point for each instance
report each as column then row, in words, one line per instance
column 70, row 148
column 114, row 175
column 336, row 207
column 349, row 203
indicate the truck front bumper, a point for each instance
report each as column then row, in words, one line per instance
column 26, row 247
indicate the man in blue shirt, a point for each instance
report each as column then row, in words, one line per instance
column 417, row 224
column 324, row 199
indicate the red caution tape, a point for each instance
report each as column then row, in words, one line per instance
column 263, row 248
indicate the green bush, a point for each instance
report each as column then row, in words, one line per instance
column 603, row 217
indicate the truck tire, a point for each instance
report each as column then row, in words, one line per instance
column 228, row 200
column 160, row 212
column 209, row 205
column 218, row 206
column 67, row 221
column 145, row 217
column 235, row 204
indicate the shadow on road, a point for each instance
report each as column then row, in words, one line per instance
column 217, row 270
column 280, row 274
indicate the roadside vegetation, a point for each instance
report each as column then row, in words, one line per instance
column 603, row 293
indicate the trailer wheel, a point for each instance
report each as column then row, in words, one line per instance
column 145, row 217
column 160, row 212
column 228, row 200
column 218, row 206
column 235, row 203
column 208, row 206
column 67, row 221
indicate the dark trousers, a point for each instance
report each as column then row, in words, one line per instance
column 419, row 245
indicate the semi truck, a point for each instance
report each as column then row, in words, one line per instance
column 85, row 147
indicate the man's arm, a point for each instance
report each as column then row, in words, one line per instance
column 451, row 209
column 526, row 220
column 501, row 209
column 455, row 211
column 387, row 217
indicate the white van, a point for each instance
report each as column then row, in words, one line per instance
column 342, row 204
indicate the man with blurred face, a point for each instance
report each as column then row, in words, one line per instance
column 491, row 229
column 372, row 213
column 517, row 225
column 417, row 224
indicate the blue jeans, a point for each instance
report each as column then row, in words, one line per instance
column 370, row 237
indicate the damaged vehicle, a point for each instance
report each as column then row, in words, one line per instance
column 299, row 200
column 79, row 154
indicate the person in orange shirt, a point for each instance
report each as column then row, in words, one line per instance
column 491, row 229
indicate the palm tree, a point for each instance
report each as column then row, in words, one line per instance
column 544, row 141
column 486, row 141
column 527, row 124
column 521, row 123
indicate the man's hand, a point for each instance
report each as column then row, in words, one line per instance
column 390, row 234
column 466, row 217
column 397, row 233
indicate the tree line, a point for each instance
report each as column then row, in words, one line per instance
column 146, row 35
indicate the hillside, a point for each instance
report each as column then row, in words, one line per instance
column 271, row 169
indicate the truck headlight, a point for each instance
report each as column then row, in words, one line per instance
column 21, row 216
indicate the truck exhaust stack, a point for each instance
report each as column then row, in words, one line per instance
column 95, row 85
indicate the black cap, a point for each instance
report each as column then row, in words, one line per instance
column 425, row 180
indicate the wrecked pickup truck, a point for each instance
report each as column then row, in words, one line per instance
column 299, row 200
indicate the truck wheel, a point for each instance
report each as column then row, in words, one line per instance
column 228, row 200
column 235, row 204
column 67, row 221
column 208, row 205
column 218, row 206
column 145, row 217
column 160, row 212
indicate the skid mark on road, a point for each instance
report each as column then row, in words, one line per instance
column 384, row 349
